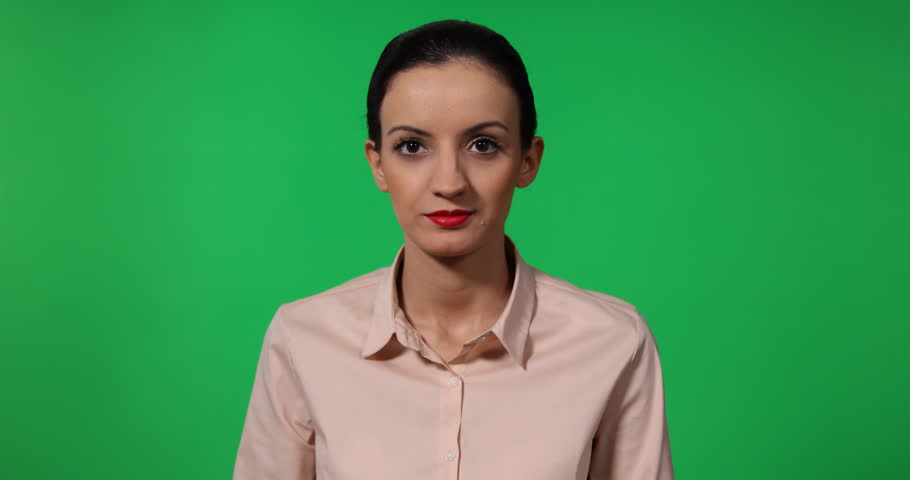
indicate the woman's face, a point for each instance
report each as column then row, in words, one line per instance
column 451, row 141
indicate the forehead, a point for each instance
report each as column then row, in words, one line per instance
column 457, row 93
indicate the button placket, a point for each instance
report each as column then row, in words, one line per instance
column 478, row 340
column 451, row 399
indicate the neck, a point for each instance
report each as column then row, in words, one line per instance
column 461, row 296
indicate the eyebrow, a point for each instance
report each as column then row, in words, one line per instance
column 425, row 133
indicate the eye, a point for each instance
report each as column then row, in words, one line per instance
column 485, row 145
column 408, row 146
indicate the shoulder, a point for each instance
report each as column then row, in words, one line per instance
column 596, row 312
column 352, row 299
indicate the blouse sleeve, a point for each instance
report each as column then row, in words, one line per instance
column 277, row 439
column 632, row 441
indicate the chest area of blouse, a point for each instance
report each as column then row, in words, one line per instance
column 408, row 417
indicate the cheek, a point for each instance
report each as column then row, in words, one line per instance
column 403, row 189
column 499, row 192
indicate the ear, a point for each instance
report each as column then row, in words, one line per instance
column 375, row 162
column 530, row 163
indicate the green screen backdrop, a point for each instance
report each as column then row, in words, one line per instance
column 171, row 172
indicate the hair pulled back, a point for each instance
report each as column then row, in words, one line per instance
column 439, row 42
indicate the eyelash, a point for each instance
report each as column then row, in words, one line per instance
column 401, row 143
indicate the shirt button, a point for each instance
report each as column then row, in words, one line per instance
column 453, row 381
column 450, row 456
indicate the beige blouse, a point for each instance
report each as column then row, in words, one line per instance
column 567, row 384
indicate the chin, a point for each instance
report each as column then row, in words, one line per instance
column 447, row 243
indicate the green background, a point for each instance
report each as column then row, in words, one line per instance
column 172, row 172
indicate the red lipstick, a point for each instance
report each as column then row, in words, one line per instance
column 449, row 218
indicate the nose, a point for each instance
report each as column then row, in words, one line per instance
column 448, row 177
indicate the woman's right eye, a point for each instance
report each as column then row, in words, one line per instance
column 409, row 147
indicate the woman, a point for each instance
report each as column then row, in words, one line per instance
column 460, row 360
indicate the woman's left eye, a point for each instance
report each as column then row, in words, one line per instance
column 485, row 145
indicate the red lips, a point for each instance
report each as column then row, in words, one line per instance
column 449, row 218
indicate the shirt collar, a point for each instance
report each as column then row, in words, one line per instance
column 511, row 328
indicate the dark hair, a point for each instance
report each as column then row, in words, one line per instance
column 439, row 42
